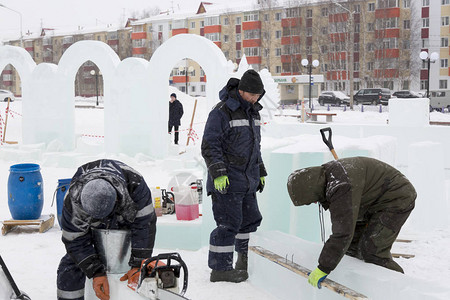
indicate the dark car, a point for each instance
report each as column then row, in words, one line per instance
column 333, row 97
column 373, row 96
column 406, row 94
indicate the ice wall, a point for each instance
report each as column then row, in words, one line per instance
column 412, row 112
column 375, row 282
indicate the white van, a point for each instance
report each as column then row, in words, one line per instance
column 439, row 99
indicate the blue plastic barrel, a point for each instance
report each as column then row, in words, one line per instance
column 25, row 191
column 63, row 186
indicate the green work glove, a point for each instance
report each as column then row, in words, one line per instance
column 316, row 277
column 221, row 184
column 262, row 183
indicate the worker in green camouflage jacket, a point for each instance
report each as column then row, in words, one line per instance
column 369, row 201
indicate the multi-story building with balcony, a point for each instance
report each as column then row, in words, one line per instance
column 359, row 43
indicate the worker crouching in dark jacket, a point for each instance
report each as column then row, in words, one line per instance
column 231, row 149
column 103, row 194
column 369, row 201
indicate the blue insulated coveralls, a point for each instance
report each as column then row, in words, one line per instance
column 134, row 211
column 231, row 146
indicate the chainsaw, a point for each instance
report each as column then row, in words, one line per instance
column 158, row 280
column 168, row 204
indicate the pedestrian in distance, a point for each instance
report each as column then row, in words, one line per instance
column 369, row 201
column 175, row 114
column 232, row 152
column 103, row 194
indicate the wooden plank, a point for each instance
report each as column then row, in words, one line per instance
column 45, row 223
column 302, row 271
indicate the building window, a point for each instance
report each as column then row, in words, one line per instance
column 444, row 42
column 325, row 12
column 266, row 17
column 444, row 21
column 444, row 63
column 371, row 7
column 445, row 2
column 388, row 85
column 238, row 37
column 292, row 12
column 203, row 88
column 193, row 89
column 210, row 21
column 356, row 85
column 425, row 43
column 278, row 69
column 226, row 21
column 238, row 54
column 425, row 2
column 202, row 24
column 370, row 66
column 370, row 26
column 387, row 3
column 370, row 46
column 406, row 24
column 238, row 20
column 425, row 22
column 443, row 84
column 324, row 49
column 192, row 25
column 423, row 84
column 356, row 66
column 266, row 52
column 278, row 16
column 357, row 8
column 405, row 85
column 309, row 31
column 277, row 51
column 252, row 34
column 406, row 3
column 406, row 44
column 357, row 27
column 324, row 30
column 160, row 28
column 278, row 34
column 252, row 51
column 309, row 13
column 356, row 47
column 226, row 38
column 215, row 37
column 251, row 16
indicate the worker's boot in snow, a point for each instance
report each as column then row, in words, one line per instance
column 232, row 275
column 391, row 264
column 242, row 261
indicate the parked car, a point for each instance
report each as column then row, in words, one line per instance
column 333, row 97
column 373, row 96
column 406, row 94
column 4, row 94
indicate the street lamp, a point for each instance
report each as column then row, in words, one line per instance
column 306, row 64
column 433, row 57
column 21, row 36
column 93, row 73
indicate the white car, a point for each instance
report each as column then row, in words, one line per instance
column 4, row 94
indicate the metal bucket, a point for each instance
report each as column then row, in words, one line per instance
column 114, row 249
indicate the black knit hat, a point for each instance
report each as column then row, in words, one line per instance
column 251, row 82
column 173, row 95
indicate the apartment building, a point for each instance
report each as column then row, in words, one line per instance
column 358, row 43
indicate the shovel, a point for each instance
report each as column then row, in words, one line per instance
column 19, row 294
column 327, row 141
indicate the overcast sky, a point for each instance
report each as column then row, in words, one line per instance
column 68, row 14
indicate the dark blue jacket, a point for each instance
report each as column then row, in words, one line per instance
column 231, row 142
column 134, row 211
column 175, row 113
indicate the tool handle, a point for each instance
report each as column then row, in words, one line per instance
column 327, row 141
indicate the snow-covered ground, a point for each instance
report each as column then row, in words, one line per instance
column 33, row 258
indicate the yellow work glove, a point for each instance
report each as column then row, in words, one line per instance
column 221, row 184
column 316, row 277
column 262, row 183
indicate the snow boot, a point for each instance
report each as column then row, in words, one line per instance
column 229, row 276
column 242, row 261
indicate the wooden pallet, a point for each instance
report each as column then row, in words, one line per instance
column 397, row 255
column 45, row 223
column 302, row 271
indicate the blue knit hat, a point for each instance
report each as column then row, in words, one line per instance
column 98, row 198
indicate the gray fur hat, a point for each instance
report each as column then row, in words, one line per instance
column 98, row 198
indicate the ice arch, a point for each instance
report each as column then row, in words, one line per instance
column 20, row 59
column 146, row 111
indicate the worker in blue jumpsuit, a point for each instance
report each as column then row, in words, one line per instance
column 232, row 152
column 103, row 194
